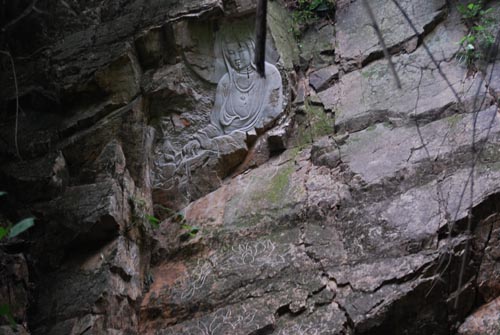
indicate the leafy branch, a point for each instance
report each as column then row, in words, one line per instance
column 479, row 36
column 307, row 12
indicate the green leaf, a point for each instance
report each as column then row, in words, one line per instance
column 21, row 227
column 7, row 313
column 178, row 217
column 471, row 6
column 4, row 309
column 154, row 221
column 192, row 231
column 3, row 232
column 322, row 7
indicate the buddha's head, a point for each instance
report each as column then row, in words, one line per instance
column 239, row 55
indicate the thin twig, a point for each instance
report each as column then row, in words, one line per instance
column 25, row 13
column 17, row 101
column 382, row 43
column 476, row 155
column 428, row 51
column 476, row 152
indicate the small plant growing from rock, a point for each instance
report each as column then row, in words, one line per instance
column 139, row 213
column 153, row 221
column 11, row 232
column 187, row 231
column 7, row 313
column 479, row 37
column 307, row 12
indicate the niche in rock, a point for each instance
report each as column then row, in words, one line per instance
column 213, row 110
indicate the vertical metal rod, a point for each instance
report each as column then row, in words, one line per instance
column 260, row 37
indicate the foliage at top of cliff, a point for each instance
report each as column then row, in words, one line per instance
column 307, row 12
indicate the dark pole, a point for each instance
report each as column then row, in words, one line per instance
column 260, row 37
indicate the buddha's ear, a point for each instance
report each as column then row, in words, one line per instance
column 251, row 47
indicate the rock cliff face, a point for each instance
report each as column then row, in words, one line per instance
column 357, row 208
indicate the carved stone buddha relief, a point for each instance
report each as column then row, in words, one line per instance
column 244, row 101
column 245, row 104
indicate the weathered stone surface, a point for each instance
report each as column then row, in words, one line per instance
column 382, row 151
column 106, row 283
column 279, row 25
column 485, row 320
column 322, row 78
column 378, row 261
column 373, row 260
column 325, row 152
column 83, row 147
column 93, row 212
column 156, row 47
column 239, row 7
column 243, row 270
column 173, row 96
column 317, row 45
column 277, row 138
column 365, row 96
column 111, row 163
column 230, row 211
column 493, row 78
column 356, row 38
column 44, row 178
column 487, row 238
column 121, row 79
column 197, row 42
column 313, row 122
column 98, row 26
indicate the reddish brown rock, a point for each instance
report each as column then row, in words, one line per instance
column 484, row 321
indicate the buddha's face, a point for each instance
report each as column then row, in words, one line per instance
column 239, row 56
